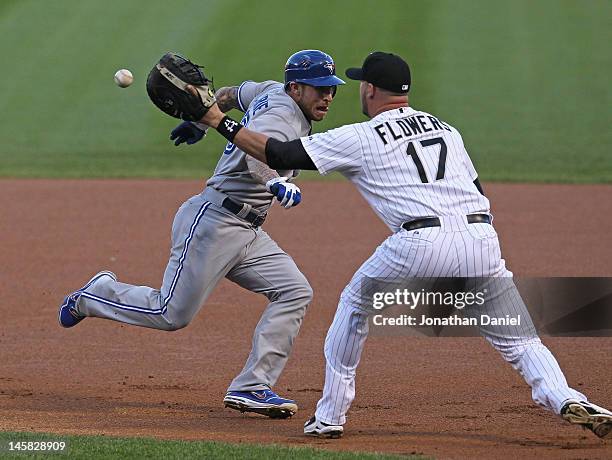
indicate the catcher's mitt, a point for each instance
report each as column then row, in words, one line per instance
column 167, row 88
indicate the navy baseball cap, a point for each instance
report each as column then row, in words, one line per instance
column 384, row 70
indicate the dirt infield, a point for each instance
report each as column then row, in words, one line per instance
column 448, row 398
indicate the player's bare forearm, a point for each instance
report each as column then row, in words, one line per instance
column 252, row 143
column 261, row 172
column 227, row 98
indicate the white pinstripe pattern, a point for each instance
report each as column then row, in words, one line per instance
column 389, row 179
column 472, row 251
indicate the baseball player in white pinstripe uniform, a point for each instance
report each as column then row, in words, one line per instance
column 414, row 171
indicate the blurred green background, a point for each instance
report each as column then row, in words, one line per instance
column 527, row 83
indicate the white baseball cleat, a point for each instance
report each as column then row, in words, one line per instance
column 313, row 427
column 589, row 416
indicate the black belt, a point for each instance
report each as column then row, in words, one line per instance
column 435, row 221
column 252, row 217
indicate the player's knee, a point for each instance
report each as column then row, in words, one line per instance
column 304, row 292
column 179, row 314
column 298, row 294
column 171, row 327
column 178, row 323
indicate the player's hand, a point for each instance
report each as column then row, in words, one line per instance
column 188, row 132
column 287, row 193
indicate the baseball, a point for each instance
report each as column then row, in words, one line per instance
column 123, row 78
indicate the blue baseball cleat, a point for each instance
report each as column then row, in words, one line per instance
column 68, row 316
column 264, row 402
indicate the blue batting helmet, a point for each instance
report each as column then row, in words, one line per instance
column 312, row 67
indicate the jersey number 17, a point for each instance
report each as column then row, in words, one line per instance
column 417, row 161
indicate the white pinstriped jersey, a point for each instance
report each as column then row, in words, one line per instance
column 407, row 164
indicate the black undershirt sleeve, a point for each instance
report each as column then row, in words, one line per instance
column 287, row 155
column 478, row 186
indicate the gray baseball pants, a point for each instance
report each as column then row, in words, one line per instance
column 209, row 243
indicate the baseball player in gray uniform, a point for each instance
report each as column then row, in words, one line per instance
column 218, row 234
column 414, row 170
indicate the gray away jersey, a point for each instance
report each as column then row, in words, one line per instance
column 407, row 164
column 267, row 110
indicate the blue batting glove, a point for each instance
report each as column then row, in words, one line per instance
column 286, row 193
column 188, row 132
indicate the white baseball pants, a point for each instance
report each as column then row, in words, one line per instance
column 455, row 249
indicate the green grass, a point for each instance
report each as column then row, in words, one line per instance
column 527, row 83
column 103, row 447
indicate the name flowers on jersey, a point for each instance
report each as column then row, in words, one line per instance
column 409, row 126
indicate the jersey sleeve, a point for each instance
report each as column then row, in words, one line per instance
column 280, row 123
column 249, row 90
column 335, row 150
column 276, row 122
